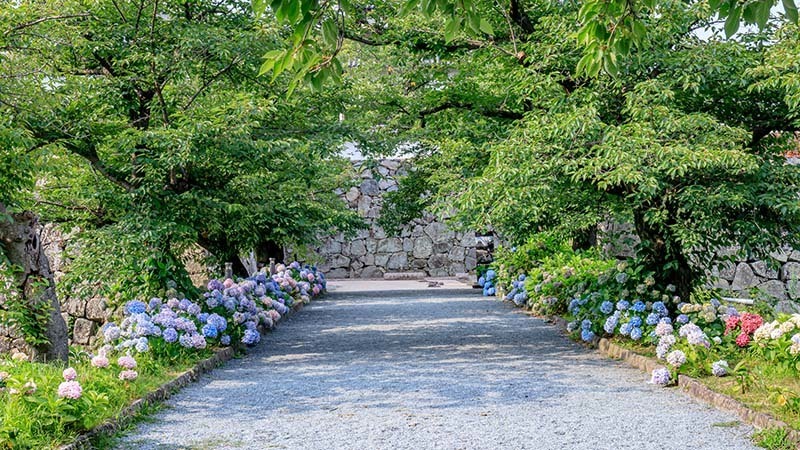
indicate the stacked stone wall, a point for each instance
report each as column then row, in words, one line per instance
column 426, row 245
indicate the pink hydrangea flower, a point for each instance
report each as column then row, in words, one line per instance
column 100, row 361
column 743, row 339
column 70, row 389
column 127, row 362
column 30, row 387
column 315, row 290
column 69, row 374
column 227, row 283
column 128, row 375
column 310, row 277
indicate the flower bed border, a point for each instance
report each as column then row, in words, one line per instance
column 689, row 385
column 162, row 393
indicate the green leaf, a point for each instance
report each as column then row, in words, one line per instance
column 486, row 27
column 330, row 32
column 408, row 6
column 259, row 6
column 791, row 10
column 732, row 22
column 451, row 29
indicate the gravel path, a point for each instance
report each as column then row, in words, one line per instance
column 429, row 370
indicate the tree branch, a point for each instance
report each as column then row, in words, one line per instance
column 209, row 81
column 44, row 19
column 497, row 113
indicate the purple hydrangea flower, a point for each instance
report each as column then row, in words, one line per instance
column 660, row 376
column 135, row 307
column 225, row 340
column 170, row 335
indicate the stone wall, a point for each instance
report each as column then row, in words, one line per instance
column 426, row 245
column 778, row 279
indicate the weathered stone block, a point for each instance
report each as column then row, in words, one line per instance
column 397, row 261
column 352, row 195
column 371, row 272
column 370, row 187
column 381, row 260
column 787, row 307
column 76, row 307
column 96, row 309
column 337, row 273
column 358, row 248
column 790, row 271
column 774, row 289
column 744, row 277
column 83, row 331
column 423, row 247
column 390, row 245
column 439, row 232
column 762, row 269
column 438, row 261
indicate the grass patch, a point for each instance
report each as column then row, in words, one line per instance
column 38, row 418
column 773, row 439
column 636, row 347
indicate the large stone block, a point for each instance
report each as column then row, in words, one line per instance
column 381, row 260
column 744, row 277
column 83, row 331
column 372, row 245
column 338, row 261
column 790, row 271
column 371, row 272
column 390, row 245
column 438, row 261
column 423, row 247
column 774, row 289
column 369, row 187
column 765, row 270
column 331, row 247
column 358, row 248
column 96, row 309
column 76, row 307
column 456, row 254
column 397, row 261
column 787, row 307
column 364, row 205
column 352, row 195
column 439, row 232
column 408, row 245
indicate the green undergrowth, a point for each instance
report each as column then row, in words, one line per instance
column 32, row 416
column 773, row 439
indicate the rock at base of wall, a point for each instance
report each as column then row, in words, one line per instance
column 371, row 272
column 787, row 307
column 83, row 331
column 774, row 289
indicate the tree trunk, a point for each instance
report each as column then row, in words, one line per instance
column 663, row 255
column 33, row 281
column 584, row 239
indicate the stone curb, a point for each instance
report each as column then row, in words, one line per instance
column 687, row 384
column 163, row 392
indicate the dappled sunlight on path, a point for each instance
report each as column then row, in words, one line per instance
column 429, row 369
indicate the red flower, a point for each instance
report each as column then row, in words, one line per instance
column 751, row 322
column 743, row 339
column 731, row 324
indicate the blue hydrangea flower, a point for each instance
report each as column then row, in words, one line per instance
column 660, row 376
column 154, row 304
column 490, row 274
column 572, row 326
column 611, row 324
column 639, row 306
column 135, row 307
column 653, row 319
column 481, row 281
column 202, row 317
column 210, row 331
column 170, row 335
column 606, row 307
column 184, row 304
column 625, row 329
column 142, row 345
column 587, row 335
column 683, row 318
column 225, row 340
column 621, row 277
column 636, row 333
column 586, row 324
column 186, row 340
column 660, row 308
column 251, row 337
column 218, row 321
column 636, row 321
column 623, row 305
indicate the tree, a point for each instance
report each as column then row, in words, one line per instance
column 674, row 143
column 158, row 135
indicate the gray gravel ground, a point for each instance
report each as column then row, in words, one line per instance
column 429, row 370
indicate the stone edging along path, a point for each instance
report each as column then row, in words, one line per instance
column 165, row 391
column 689, row 385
